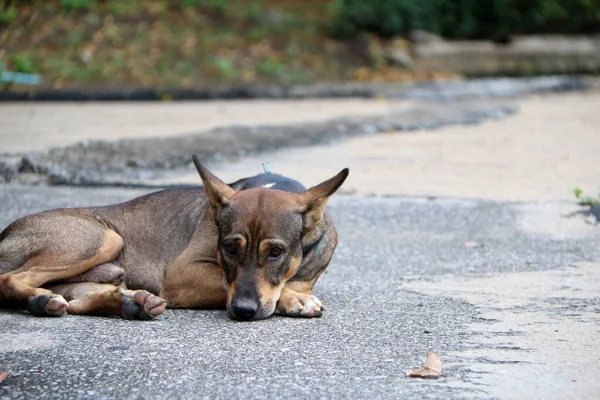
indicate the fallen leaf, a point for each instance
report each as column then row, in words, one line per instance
column 470, row 245
column 432, row 369
column 3, row 376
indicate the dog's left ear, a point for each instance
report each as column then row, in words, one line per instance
column 217, row 192
column 313, row 201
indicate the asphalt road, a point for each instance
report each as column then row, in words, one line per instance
column 377, row 324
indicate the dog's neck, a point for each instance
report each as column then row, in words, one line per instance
column 316, row 245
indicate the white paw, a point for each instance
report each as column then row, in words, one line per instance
column 302, row 305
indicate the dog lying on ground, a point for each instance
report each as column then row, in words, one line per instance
column 254, row 246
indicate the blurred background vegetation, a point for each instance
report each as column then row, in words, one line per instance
column 467, row 19
column 195, row 43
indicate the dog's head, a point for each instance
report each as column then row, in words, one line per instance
column 260, row 238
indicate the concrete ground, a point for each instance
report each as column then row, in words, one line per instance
column 549, row 147
column 37, row 126
column 513, row 314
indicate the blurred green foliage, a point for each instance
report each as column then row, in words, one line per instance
column 186, row 43
column 225, row 67
column 217, row 6
column 25, row 64
column 75, row 5
column 8, row 15
column 192, row 43
column 470, row 19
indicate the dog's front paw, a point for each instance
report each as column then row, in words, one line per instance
column 140, row 304
column 300, row 305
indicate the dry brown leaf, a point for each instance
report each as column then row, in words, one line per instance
column 3, row 376
column 432, row 369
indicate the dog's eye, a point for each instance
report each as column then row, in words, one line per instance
column 230, row 249
column 275, row 253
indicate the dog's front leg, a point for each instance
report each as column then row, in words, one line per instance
column 195, row 285
column 297, row 300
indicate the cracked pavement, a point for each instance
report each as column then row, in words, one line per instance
column 516, row 315
column 399, row 285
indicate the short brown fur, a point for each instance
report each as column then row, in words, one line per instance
column 252, row 251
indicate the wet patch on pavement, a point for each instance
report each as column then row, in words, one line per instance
column 554, row 349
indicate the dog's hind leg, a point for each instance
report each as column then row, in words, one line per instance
column 51, row 246
column 104, row 299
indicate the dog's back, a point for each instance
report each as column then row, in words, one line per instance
column 162, row 207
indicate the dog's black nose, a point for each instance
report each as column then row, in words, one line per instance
column 244, row 308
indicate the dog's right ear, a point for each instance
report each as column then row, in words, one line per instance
column 312, row 202
column 217, row 192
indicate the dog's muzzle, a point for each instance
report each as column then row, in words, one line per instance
column 244, row 308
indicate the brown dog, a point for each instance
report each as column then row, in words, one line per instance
column 255, row 245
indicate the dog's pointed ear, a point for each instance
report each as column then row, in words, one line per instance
column 313, row 201
column 217, row 192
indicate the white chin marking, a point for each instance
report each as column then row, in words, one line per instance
column 268, row 185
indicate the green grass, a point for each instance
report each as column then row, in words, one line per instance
column 586, row 200
column 8, row 15
column 114, row 43
column 76, row 5
column 24, row 63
